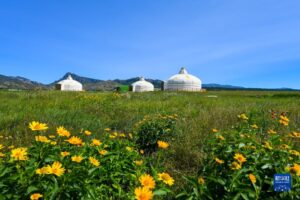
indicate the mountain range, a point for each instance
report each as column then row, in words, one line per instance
column 21, row 83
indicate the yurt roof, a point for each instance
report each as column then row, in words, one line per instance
column 184, row 77
column 142, row 82
column 69, row 81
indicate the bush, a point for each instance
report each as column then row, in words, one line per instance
column 152, row 129
column 241, row 163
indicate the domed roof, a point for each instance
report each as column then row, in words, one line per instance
column 142, row 86
column 142, row 82
column 184, row 77
column 69, row 81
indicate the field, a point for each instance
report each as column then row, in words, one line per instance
column 198, row 114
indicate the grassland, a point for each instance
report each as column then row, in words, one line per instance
column 198, row 113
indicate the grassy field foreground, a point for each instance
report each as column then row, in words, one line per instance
column 198, row 114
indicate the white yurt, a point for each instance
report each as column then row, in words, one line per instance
column 183, row 81
column 69, row 85
column 142, row 86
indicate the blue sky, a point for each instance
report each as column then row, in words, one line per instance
column 252, row 43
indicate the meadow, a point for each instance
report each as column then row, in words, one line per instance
column 197, row 114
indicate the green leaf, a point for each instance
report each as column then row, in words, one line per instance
column 160, row 192
column 2, row 185
column 91, row 171
column 31, row 189
column 55, row 190
column 245, row 197
column 48, row 160
column 219, row 180
column 237, row 196
column 5, row 171
column 183, row 194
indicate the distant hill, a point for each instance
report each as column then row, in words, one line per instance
column 90, row 83
column 97, row 84
column 157, row 83
column 76, row 77
column 21, row 83
column 216, row 86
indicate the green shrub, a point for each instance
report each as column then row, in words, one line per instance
column 152, row 129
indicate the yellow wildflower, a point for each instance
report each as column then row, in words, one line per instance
column 64, row 153
column 11, row 146
column 56, row 169
column 36, row 196
column 43, row 170
column 240, row 158
column 285, row 146
column 219, row 161
column 122, row 135
column 115, row 134
column 53, row 143
column 243, row 116
column 102, row 152
column 271, row 132
column 142, row 151
column 294, row 169
column 143, row 193
column 130, row 135
column 61, row 131
column 51, row 136
column 214, row 130
column 41, row 138
column 111, row 136
column 96, row 142
column 220, row 137
column 77, row 159
column 107, row 129
column 94, row 161
column 138, row 162
column 147, row 181
column 2, row 155
column 295, row 134
column 267, row 145
column 294, row 152
column 19, row 153
column 162, row 144
column 87, row 132
column 75, row 140
column 254, row 126
column 37, row 126
column 129, row 149
column 252, row 178
column 235, row 166
column 166, row 178
column 1, row 146
column 201, row 180
column 284, row 120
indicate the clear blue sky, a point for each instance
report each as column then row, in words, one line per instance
column 252, row 43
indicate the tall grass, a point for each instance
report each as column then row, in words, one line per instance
column 198, row 113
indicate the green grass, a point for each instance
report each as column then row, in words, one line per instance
column 198, row 114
